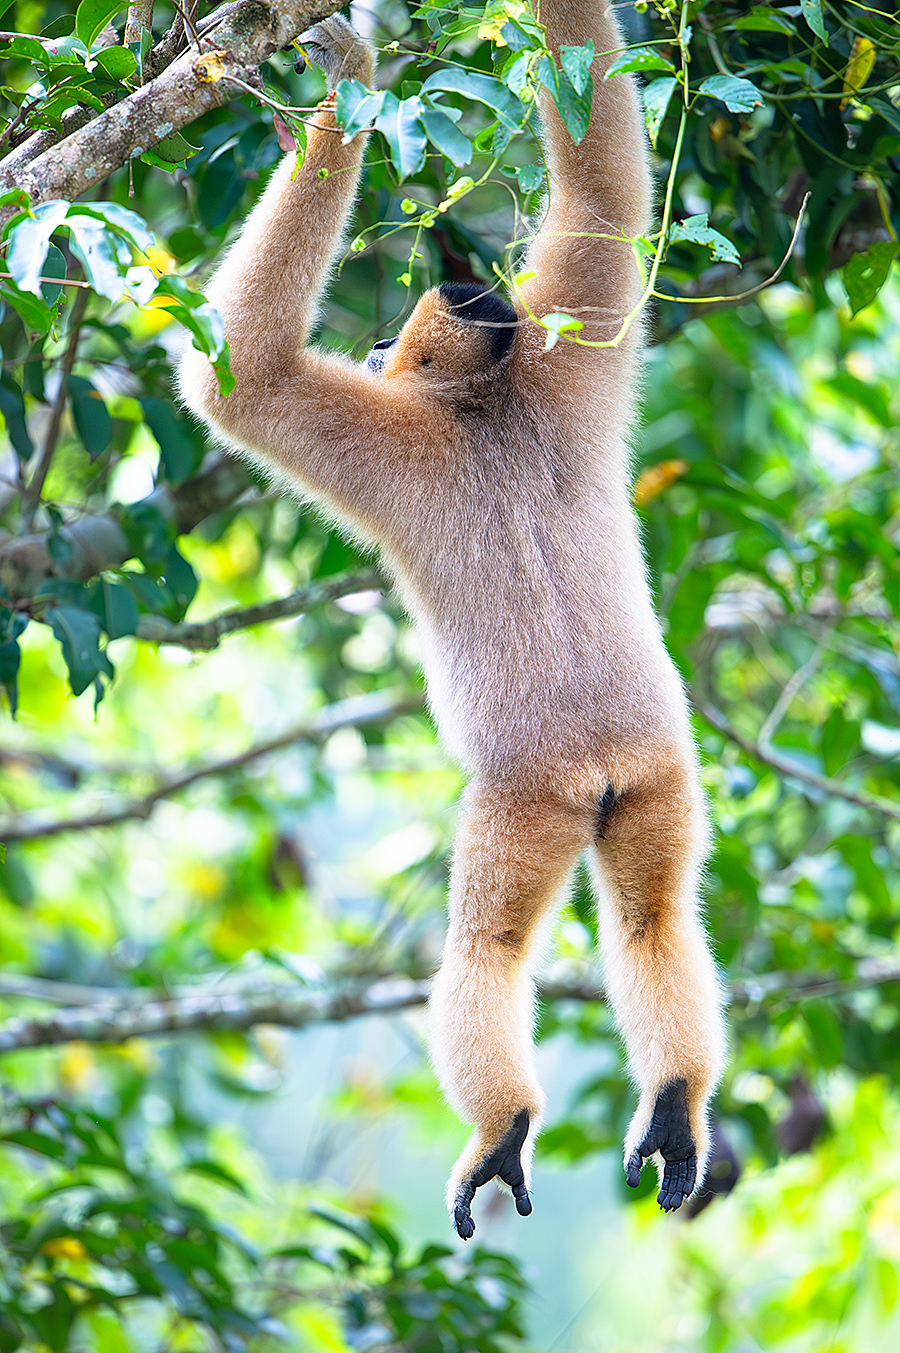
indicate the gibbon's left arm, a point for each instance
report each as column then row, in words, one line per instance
column 319, row 419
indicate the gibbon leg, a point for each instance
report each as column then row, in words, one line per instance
column 511, row 861
column 660, row 975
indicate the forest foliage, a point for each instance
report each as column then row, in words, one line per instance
column 155, row 850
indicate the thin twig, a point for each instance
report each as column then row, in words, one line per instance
column 785, row 766
column 375, row 707
column 56, row 282
column 793, row 686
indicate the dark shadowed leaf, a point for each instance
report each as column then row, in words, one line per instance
column 78, row 632
column 90, row 414
column 12, row 406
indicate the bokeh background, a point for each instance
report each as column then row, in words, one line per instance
column 265, row 1186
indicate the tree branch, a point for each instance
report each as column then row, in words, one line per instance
column 786, row 766
column 206, row 634
column 114, row 1020
column 377, row 707
column 92, row 544
column 240, row 37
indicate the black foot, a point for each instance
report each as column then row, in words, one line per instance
column 670, row 1134
column 505, row 1161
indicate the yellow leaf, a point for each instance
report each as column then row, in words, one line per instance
column 160, row 260
column 656, row 479
column 859, row 68
column 64, row 1247
column 210, row 67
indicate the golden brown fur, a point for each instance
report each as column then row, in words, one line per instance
column 499, row 496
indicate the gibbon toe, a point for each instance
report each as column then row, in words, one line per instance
column 669, row 1134
column 504, row 1162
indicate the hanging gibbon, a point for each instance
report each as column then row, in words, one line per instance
column 494, row 477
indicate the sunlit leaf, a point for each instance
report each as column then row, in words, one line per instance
column 29, row 242
column 812, row 13
column 697, row 230
column 92, row 16
column 639, row 59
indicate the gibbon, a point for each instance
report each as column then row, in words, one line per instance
column 494, row 477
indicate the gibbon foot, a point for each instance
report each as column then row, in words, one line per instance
column 505, row 1162
column 339, row 51
column 670, row 1134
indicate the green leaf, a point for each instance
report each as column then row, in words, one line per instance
column 574, row 108
column 764, row 21
column 825, row 1029
column 103, row 255
column 119, row 62
column 865, row 274
column 54, row 266
column 36, row 316
column 557, row 324
column 29, row 49
column 530, row 177
column 29, row 242
column 639, row 58
column 697, row 230
column 119, row 615
column 738, row 96
column 90, row 414
column 92, row 16
column 15, row 197
column 483, row 89
column 576, row 62
column 448, row 139
column 812, row 13
column 656, row 98
column 12, row 406
column 120, row 219
column 68, row 51
column 400, row 124
column 355, row 107
column 181, row 581
column 13, row 624
column 78, row 633
column 886, row 110
column 204, row 323
column 170, row 153
column 178, row 455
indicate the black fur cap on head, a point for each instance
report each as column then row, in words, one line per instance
column 471, row 303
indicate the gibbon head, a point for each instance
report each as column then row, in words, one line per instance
column 456, row 332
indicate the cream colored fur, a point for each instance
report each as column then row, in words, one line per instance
column 500, row 499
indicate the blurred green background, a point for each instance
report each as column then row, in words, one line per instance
column 260, row 1186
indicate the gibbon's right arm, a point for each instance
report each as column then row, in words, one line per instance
column 601, row 186
column 316, row 417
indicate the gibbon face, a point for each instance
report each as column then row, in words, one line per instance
column 457, row 331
